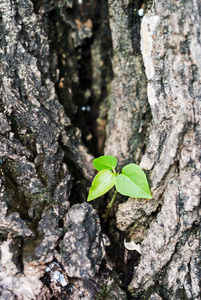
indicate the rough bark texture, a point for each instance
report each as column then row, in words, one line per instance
column 54, row 83
column 129, row 112
column 168, row 227
column 45, row 166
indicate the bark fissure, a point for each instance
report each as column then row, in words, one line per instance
column 56, row 75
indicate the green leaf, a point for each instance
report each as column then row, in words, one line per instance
column 101, row 184
column 133, row 182
column 106, row 162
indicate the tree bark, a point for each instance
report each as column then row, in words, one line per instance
column 168, row 227
column 47, row 249
column 58, row 90
column 129, row 113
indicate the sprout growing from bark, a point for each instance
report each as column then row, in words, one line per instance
column 131, row 181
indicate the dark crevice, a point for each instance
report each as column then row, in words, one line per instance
column 134, row 20
column 74, row 77
column 73, row 72
column 82, row 119
column 14, row 125
column 82, row 106
column 77, row 95
column 20, row 256
column 61, row 223
column 123, row 260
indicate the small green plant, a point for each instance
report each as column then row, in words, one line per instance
column 131, row 181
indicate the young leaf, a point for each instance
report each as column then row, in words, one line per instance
column 101, row 184
column 106, row 162
column 133, row 182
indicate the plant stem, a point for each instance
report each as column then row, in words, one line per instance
column 105, row 216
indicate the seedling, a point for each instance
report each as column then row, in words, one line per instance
column 131, row 181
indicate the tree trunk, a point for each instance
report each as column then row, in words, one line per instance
column 59, row 89
column 47, row 249
column 167, row 227
column 129, row 113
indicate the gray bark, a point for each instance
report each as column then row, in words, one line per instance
column 51, row 72
column 129, row 112
column 167, row 227
column 45, row 166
